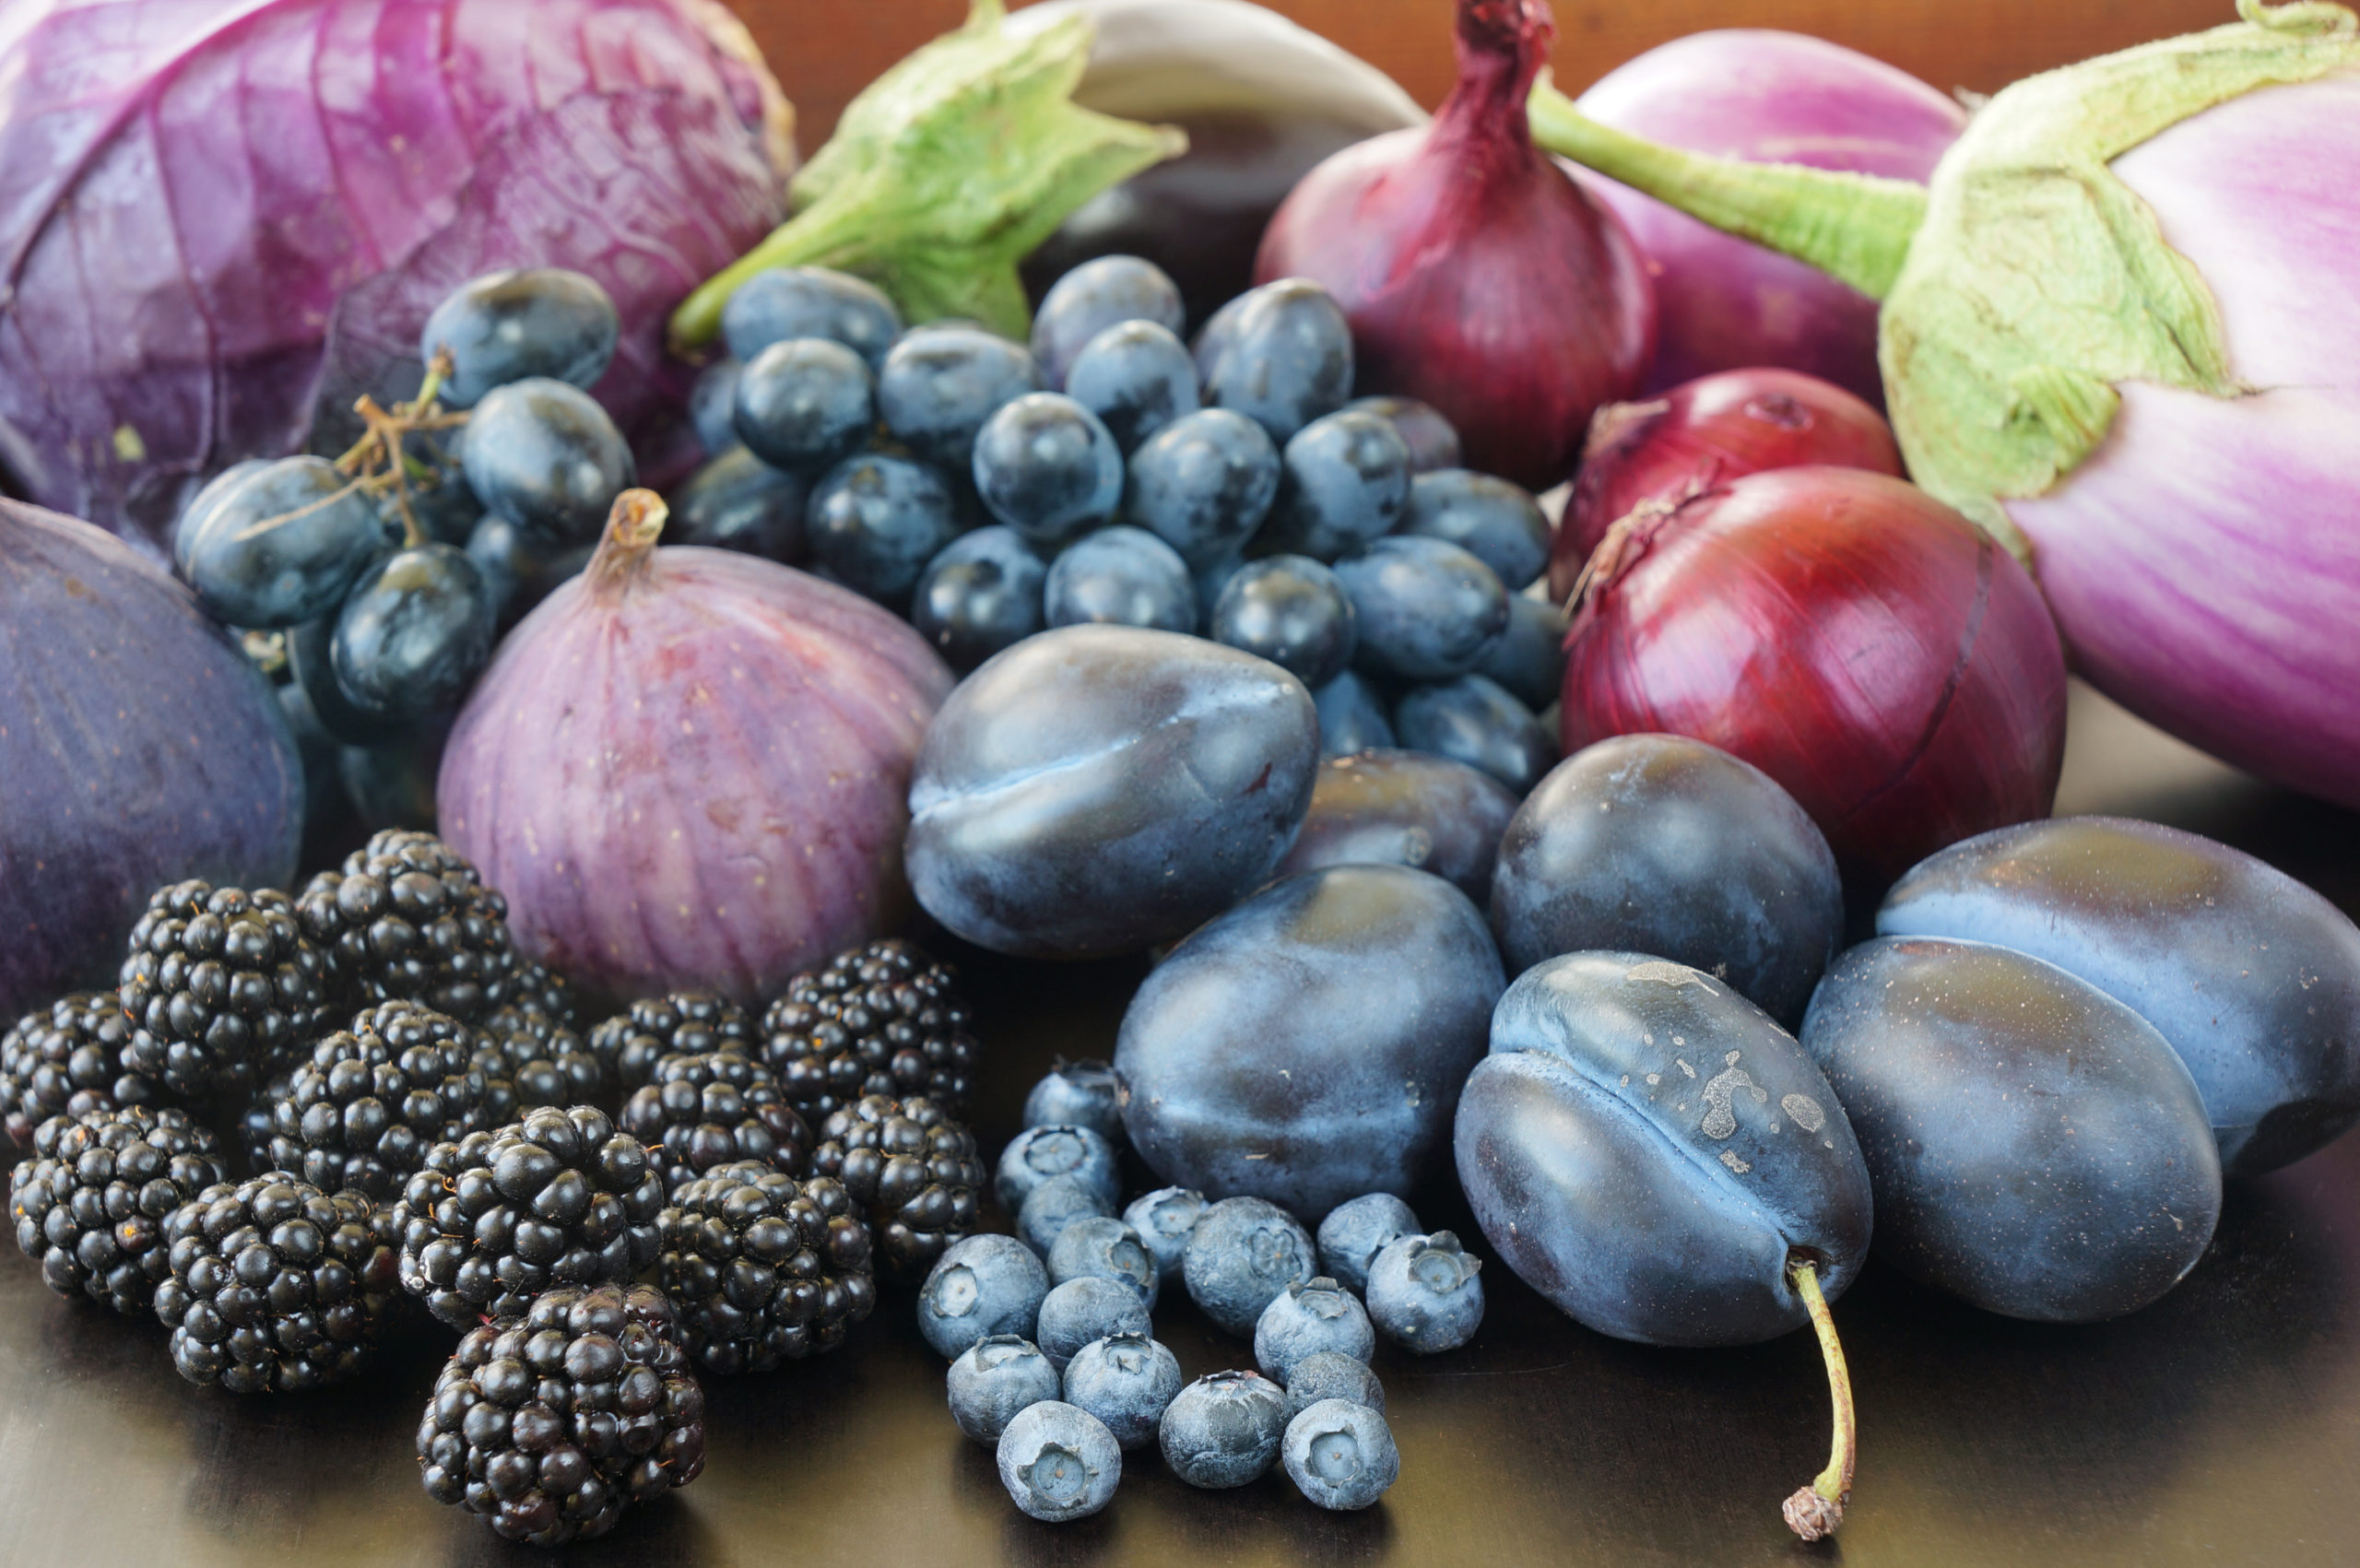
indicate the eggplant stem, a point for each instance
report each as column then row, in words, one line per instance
column 1815, row 1511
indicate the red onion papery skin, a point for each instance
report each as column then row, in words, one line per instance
column 1706, row 432
column 1764, row 96
column 1476, row 276
column 689, row 768
column 1846, row 633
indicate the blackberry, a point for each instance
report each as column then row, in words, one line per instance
column 764, row 1268
column 714, row 1108
column 221, row 988
column 545, row 1062
column 67, row 1062
column 372, row 1099
column 631, row 1044
column 92, row 1204
column 276, row 1286
column 407, row 918
column 551, row 1422
column 880, row 1020
column 912, row 1173
column 496, row 1217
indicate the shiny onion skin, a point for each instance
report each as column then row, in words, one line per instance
column 1476, row 276
column 689, row 768
column 1706, row 432
column 1855, row 639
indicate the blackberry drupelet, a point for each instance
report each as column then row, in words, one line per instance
column 714, row 1108
column 764, row 1268
column 221, row 988
column 539, row 995
column 276, row 1286
column 362, row 1112
column 551, row 1422
column 913, row 1173
column 631, row 1044
column 66, row 1061
column 496, row 1219
column 544, row 1062
column 407, row 918
column 880, row 1020
column 91, row 1205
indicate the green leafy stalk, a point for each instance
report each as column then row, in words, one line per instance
column 946, row 172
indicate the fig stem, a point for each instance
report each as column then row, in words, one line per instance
column 632, row 528
column 1815, row 1511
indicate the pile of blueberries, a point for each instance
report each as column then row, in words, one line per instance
column 1053, row 1357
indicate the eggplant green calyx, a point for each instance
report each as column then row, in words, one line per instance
column 946, row 172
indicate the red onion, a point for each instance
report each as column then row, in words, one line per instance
column 1846, row 633
column 1476, row 276
column 1707, row 432
column 1757, row 94
column 689, row 767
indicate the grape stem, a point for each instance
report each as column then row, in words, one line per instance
column 377, row 459
column 1815, row 1511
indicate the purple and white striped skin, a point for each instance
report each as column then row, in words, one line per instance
column 693, row 772
column 2204, row 561
column 1725, row 303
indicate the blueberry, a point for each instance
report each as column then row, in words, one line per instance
column 996, row 1379
column 1424, row 1294
column 283, row 545
column 1036, row 1154
column 1059, row 1463
column 1223, row 1430
column 713, row 406
column 1243, row 1252
column 1204, row 484
column 805, row 403
column 1056, row 1204
column 1658, row 843
column 1290, row 610
column 1081, row 1094
column 1432, row 440
column 1427, row 610
column 1095, row 297
column 1344, row 483
column 1284, row 360
column 1120, row 576
column 737, row 501
column 1126, row 1380
column 1162, row 1221
column 809, row 301
column 981, row 592
column 1495, row 520
column 939, row 384
column 506, row 326
column 1310, row 1316
column 543, row 454
column 1528, row 659
column 1086, row 1308
column 982, row 1285
column 1047, row 468
column 1326, row 1375
column 1354, row 1233
column 414, row 634
column 519, row 566
column 1104, row 1249
column 1340, row 1455
column 1351, row 716
column 200, row 508
column 1473, row 721
column 1387, row 808
column 875, row 523
column 1136, row 378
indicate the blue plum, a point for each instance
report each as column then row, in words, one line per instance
column 1427, row 609
column 1120, row 576
column 1433, row 439
column 1648, row 1151
column 1528, row 659
column 737, row 501
column 1307, row 1046
column 939, row 384
column 788, row 302
column 980, row 595
column 1204, row 484
column 1473, row 720
column 1048, row 469
column 1092, row 298
column 283, row 545
column 1495, row 520
column 2254, row 978
column 1352, row 716
column 876, row 522
column 505, row 326
column 1136, row 378
column 1387, row 808
column 1291, row 610
column 1283, row 358
column 805, row 403
column 1099, row 789
column 2035, row 1145
column 546, row 457
column 1344, row 482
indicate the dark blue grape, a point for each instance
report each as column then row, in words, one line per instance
column 1658, row 843
column 713, row 406
column 1388, row 807
column 805, row 403
column 1284, row 360
column 1473, row 720
column 1352, row 716
column 1121, row 577
column 939, row 384
column 2036, row 1147
column 1093, row 297
column 442, row 504
column 1433, row 440
column 874, row 522
column 1290, row 610
column 1345, row 482
column 788, row 302
column 1428, row 610
column 284, row 544
column 1136, row 378
column 201, row 506
column 519, row 566
column 543, row 454
column 510, row 326
column 310, row 660
column 1528, row 659
column 737, row 501
column 1204, row 483
column 1213, row 337
column 1048, row 469
column 1492, row 519
column 392, row 785
column 980, row 595
column 415, row 632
